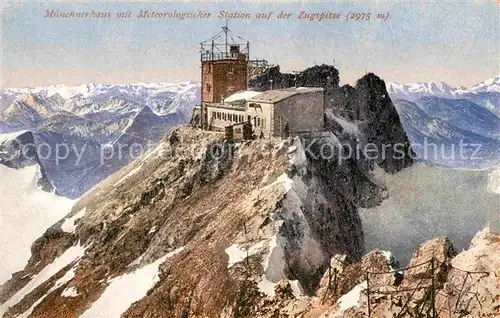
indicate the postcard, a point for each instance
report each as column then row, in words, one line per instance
column 250, row 159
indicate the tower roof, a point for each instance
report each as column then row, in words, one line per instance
column 225, row 45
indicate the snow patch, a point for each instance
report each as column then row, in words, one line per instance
column 119, row 295
column 494, row 181
column 285, row 180
column 238, row 252
column 25, row 213
column 137, row 261
column 69, row 225
column 28, row 312
column 388, row 256
column 265, row 285
column 70, row 274
column 72, row 254
column 241, row 95
column 295, row 285
column 69, row 292
column 351, row 299
column 152, row 230
column 349, row 127
column 11, row 136
column 299, row 158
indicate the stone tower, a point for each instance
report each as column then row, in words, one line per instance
column 224, row 62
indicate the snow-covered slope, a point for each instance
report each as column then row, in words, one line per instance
column 26, row 212
column 118, row 296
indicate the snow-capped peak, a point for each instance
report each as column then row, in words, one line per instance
column 85, row 98
column 441, row 89
column 489, row 85
column 91, row 89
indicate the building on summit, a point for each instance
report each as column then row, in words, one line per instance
column 227, row 104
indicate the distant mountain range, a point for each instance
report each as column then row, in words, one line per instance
column 485, row 94
column 93, row 117
column 445, row 115
column 124, row 120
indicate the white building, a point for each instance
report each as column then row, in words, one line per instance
column 273, row 113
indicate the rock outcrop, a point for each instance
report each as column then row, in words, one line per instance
column 316, row 76
column 20, row 152
column 365, row 108
column 227, row 229
column 438, row 283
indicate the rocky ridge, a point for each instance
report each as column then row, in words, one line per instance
column 250, row 229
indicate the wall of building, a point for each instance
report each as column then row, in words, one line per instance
column 218, row 118
column 222, row 78
column 304, row 112
column 259, row 117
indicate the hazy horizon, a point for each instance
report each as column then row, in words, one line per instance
column 199, row 82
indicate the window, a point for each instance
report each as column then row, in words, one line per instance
column 249, row 117
column 235, row 117
column 240, row 118
column 258, row 121
column 208, row 88
column 231, row 68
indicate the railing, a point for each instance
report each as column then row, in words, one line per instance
column 258, row 63
column 216, row 56
column 426, row 302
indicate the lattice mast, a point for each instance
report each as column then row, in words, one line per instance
column 224, row 67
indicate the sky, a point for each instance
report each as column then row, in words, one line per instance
column 454, row 41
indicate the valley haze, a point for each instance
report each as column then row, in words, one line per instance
column 313, row 160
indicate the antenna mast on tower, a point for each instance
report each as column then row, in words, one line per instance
column 224, row 61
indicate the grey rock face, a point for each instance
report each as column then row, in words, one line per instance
column 367, row 106
column 316, row 76
column 21, row 152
